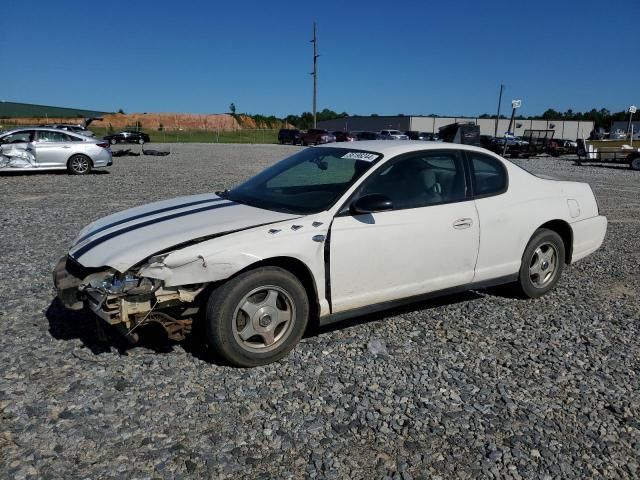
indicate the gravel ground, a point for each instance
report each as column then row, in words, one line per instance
column 473, row 385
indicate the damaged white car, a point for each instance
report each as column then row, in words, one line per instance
column 326, row 234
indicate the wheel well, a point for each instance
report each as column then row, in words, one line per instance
column 302, row 272
column 563, row 229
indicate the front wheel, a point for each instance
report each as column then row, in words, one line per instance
column 79, row 165
column 542, row 263
column 634, row 162
column 141, row 141
column 257, row 317
column 113, row 141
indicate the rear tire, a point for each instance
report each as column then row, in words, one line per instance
column 634, row 162
column 113, row 141
column 79, row 164
column 141, row 141
column 257, row 317
column 542, row 264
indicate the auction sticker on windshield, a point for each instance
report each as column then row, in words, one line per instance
column 369, row 157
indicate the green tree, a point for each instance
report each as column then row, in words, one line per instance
column 551, row 114
column 232, row 108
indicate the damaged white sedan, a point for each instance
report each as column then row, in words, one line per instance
column 326, row 234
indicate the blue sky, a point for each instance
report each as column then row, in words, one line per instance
column 442, row 57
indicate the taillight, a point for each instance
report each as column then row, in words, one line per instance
column 103, row 144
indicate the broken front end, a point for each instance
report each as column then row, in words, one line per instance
column 127, row 301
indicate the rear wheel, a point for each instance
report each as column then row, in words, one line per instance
column 542, row 263
column 257, row 317
column 141, row 141
column 634, row 162
column 79, row 164
column 113, row 141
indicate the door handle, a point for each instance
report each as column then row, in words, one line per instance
column 462, row 223
column 66, row 146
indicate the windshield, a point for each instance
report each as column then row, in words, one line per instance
column 308, row 182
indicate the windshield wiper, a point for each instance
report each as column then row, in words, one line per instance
column 223, row 193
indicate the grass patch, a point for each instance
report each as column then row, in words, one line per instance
column 200, row 136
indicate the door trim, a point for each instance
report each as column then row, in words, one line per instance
column 356, row 312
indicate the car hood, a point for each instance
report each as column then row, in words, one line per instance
column 126, row 238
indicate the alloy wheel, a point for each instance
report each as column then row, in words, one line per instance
column 80, row 164
column 263, row 319
column 543, row 266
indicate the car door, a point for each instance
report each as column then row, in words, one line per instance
column 52, row 148
column 428, row 241
column 18, row 146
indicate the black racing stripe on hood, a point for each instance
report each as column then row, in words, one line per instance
column 109, row 236
column 146, row 214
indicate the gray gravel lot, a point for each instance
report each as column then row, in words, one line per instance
column 473, row 385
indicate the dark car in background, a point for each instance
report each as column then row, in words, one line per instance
column 367, row 136
column 424, row 136
column 317, row 136
column 414, row 135
column 342, row 136
column 127, row 136
column 290, row 135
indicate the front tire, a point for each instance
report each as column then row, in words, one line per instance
column 79, row 165
column 257, row 317
column 113, row 141
column 542, row 263
column 141, row 141
column 634, row 162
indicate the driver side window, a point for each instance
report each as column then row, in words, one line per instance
column 428, row 178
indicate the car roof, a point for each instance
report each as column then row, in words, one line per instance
column 46, row 129
column 391, row 148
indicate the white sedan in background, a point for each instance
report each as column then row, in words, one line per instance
column 392, row 135
column 326, row 234
column 38, row 148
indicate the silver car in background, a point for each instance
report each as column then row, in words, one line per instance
column 392, row 135
column 37, row 148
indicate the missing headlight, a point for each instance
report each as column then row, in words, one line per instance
column 114, row 283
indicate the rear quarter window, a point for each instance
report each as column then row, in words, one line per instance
column 489, row 175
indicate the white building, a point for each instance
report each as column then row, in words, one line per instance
column 564, row 129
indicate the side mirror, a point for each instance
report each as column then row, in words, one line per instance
column 374, row 202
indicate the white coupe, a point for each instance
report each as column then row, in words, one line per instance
column 328, row 233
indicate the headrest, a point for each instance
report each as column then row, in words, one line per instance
column 429, row 178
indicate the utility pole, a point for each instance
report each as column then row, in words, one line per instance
column 495, row 130
column 315, row 74
column 515, row 104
